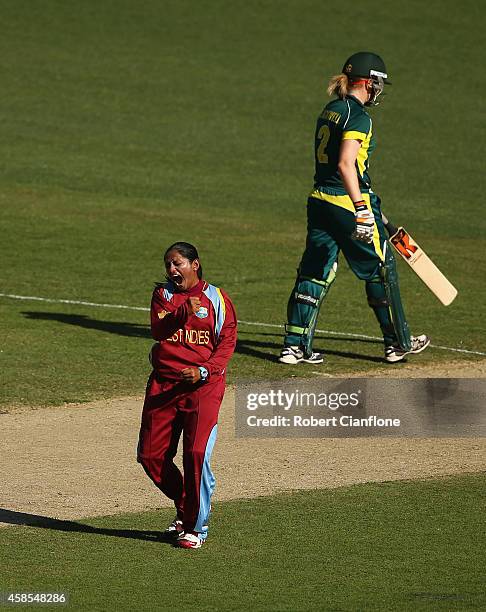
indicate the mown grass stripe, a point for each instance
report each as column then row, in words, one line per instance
column 253, row 323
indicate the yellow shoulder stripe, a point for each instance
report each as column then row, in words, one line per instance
column 354, row 136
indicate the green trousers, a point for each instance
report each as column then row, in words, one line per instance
column 329, row 229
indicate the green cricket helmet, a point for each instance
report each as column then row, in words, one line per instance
column 368, row 65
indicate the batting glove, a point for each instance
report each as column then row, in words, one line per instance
column 365, row 223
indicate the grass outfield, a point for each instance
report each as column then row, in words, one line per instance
column 126, row 127
column 416, row 545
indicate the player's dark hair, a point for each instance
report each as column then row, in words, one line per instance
column 188, row 251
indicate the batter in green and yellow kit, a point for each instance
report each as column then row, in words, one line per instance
column 343, row 214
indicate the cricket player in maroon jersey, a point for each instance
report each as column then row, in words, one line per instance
column 194, row 324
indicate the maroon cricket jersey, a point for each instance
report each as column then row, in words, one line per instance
column 207, row 338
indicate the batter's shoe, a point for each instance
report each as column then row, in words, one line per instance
column 291, row 355
column 174, row 530
column 396, row 353
column 189, row 540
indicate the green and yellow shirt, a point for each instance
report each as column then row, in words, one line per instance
column 341, row 120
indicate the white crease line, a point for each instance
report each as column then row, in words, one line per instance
column 254, row 323
column 79, row 302
column 335, row 333
column 323, row 331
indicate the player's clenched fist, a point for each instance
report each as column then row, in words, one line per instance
column 191, row 375
column 194, row 304
column 365, row 223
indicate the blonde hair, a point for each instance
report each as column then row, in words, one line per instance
column 339, row 85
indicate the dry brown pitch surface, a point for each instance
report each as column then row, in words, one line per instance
column 79, row 460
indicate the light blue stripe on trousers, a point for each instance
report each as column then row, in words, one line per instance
column 206, row 487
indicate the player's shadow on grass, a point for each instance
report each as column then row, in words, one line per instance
column 12, row 517
column 254, row 348
column 121, row 328
column 319, row 335
column 251, row 348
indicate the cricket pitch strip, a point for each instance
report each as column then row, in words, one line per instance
column 79, row 461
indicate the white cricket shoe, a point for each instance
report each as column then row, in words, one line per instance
column 292, row 355
column 189, row 540
column 396, row 353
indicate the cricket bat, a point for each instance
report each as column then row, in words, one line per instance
column 420, row 263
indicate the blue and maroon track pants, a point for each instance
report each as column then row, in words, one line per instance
column 171, row 409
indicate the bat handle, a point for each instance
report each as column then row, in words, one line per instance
column 391, row 229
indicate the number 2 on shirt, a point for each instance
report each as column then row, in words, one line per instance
column 323, row 134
